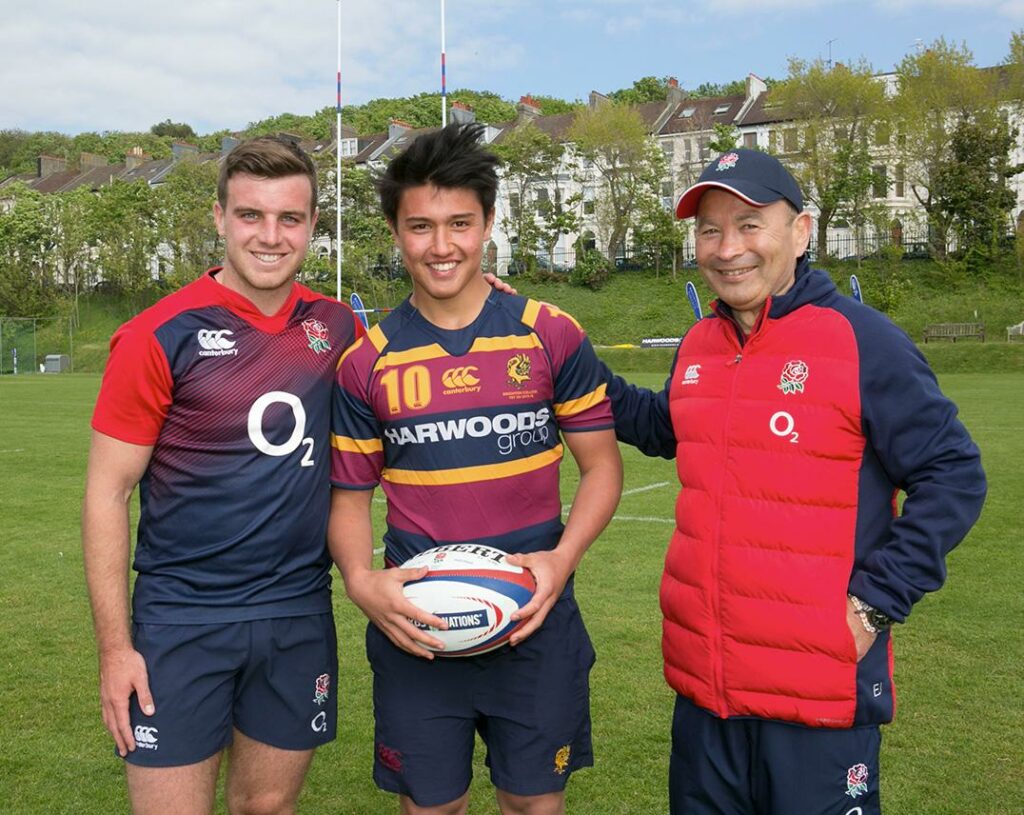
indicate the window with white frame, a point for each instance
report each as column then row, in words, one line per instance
column 879, row 181
column 542, row 199
column 588, row 201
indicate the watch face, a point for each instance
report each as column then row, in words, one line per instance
column 879, row 620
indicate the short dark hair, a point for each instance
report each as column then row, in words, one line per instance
column 266, row 157
column 450, row 158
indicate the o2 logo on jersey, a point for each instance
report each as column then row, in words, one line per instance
column 782, row 425
column 298, row 436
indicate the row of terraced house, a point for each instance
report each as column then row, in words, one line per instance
column 683, row 126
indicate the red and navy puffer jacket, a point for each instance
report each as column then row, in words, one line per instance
column 791, row 444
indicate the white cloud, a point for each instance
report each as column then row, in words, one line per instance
column 72, row 66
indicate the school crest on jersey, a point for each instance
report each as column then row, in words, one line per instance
column 318, row 335
column 518, row 370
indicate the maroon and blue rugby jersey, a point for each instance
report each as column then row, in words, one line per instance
column 236, row 405
column 461, row 427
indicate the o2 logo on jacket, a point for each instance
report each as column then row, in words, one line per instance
column 782, row 425
column 298, row 436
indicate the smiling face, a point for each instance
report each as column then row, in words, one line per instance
column 746, row 253
column 266, row 224
column 441, row 232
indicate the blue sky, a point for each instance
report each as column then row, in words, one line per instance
column 117, row 65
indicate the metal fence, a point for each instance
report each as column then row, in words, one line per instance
column 842, row 244
column 26, row 342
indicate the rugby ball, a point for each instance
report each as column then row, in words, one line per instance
column 474, row 590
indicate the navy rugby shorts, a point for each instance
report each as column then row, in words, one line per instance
column 530, row 704
column 274, row 680
column 750, row 766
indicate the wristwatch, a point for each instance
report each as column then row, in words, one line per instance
column 872, row 619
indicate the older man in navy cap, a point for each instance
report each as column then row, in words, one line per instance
column 795, row 415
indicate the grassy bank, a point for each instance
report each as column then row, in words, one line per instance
column 634, row 305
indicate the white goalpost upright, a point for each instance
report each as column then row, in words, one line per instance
column 444, row 84
column 337, row 169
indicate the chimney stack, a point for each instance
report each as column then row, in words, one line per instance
column 397, row 128
column 462, row 113
column 48, row 165
column 135, row 158
column 528, row 108
column 181, row 150
column 91, row 161
column 675, row 93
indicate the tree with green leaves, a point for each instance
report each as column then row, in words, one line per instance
column 734, row 88
column 970, row 187
column 939, row 88
column 724, row 138
column 175, row 130
column 659, row 237
column 19, row 149
column 646, row 89
column 27, row 284
column 73, row 215
column 613, row 142
column 127, row 235
column 558, row 216
column 1013, row 91
column 529, row 157
column 840, row 110
column 184, row 203
column 366, row 242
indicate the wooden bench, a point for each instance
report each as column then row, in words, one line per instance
column 954, row 331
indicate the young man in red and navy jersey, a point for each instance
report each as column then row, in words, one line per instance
column 216, row 403
column 455, row 404
column 795, row 415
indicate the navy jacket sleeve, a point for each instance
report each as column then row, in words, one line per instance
column 913, row 436
column 641, row 415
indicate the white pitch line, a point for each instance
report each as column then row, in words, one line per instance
column 635, row 490
column 656, row 486
column 16, row 450
column 643, row 519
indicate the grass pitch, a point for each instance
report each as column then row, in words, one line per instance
column 955, row 747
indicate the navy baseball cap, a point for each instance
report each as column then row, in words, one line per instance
column 756, row 177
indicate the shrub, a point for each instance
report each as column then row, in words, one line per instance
column 592, row 270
